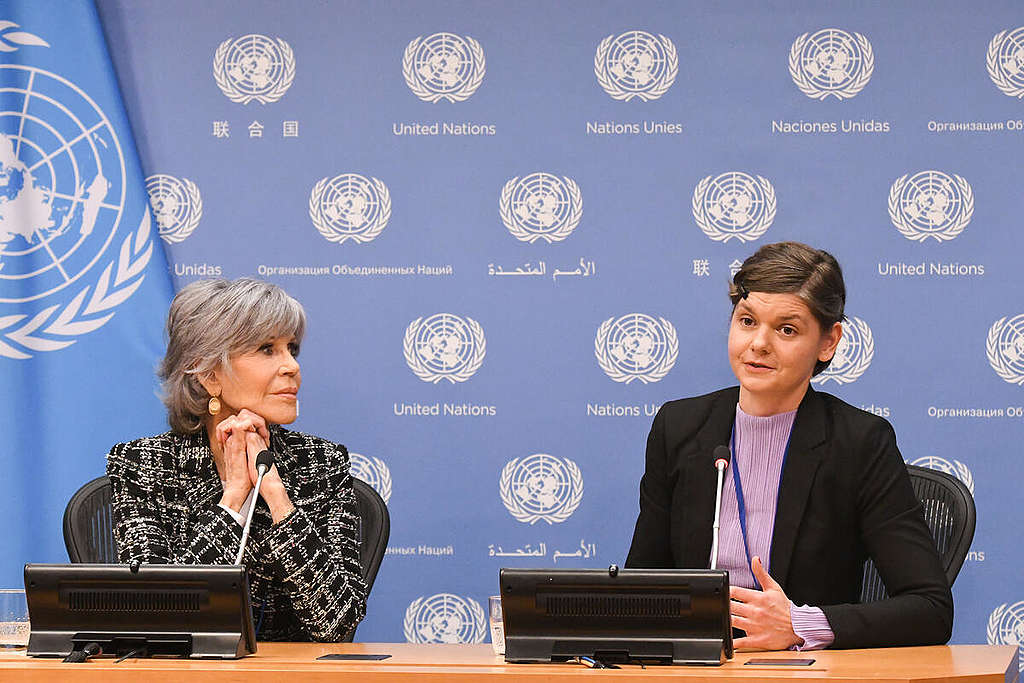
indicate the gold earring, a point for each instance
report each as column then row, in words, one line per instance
column 214, row 405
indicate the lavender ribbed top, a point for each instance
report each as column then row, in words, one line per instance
column 760, row 450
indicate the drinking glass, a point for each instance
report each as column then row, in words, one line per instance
column 497, row 626
column 14, row 627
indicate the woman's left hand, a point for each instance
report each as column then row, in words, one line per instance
column 763, row 614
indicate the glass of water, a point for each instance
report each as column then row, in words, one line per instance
column 14, row 627
column 496, row 623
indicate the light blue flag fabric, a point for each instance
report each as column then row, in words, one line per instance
column 84, row 284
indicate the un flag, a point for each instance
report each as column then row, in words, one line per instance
column 84, row 284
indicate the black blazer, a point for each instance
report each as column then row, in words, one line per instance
column 845, row 496
column 304, row 572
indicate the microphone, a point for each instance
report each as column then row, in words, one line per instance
column 264, row 461
column 722, row 456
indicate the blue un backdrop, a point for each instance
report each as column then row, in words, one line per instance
column 513, row 226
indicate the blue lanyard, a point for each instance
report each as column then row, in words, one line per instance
column 741, row 504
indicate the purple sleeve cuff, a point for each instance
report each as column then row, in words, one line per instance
column 811, row 624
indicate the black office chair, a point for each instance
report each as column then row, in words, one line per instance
column 951, row 516
column 89, row 531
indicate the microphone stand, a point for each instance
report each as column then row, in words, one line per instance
column 263, row 463
column 721, row 462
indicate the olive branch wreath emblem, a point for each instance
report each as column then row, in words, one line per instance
column 324, row 225
column 855, row 85
column 562, row 513
column 662, row 83
column 234, row 93
column 463, row 93
column 760, row 225
column 523, row 234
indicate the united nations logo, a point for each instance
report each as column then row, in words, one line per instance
column 1006, row 627
column 444, row 346
column 636, row 346
column 853, row 354
column 1005, row 61
column 177, row 206
column 373, row 471
column 636, row 64
column 63, row 189
column 1005, row 349
column 541, row 206
column 350, row 206
column 443, row 66
column 930, row 204
column 541, row 486
column 952, row 467
column 734, row 205
column 831, row 62
column 254, row 67
column 445, row 618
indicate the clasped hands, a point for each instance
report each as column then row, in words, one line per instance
column 763, row 614
column 242, row 437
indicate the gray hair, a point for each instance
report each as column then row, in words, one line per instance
column 210, row 321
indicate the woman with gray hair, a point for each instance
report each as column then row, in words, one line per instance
column 231, row 379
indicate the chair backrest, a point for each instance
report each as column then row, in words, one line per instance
column 88, row 526
column 374, row 530
column 89, row 531
column 950, row 514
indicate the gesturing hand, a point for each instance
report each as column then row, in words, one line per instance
column 763, row 614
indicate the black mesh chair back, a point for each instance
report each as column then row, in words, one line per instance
column 951, row 516
column 89, row 531
column 374, row 529
column 88, row 526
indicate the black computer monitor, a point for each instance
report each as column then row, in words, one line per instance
column 200, row 611
column 671, row 616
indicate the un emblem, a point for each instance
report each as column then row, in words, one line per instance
column 953, row 467
column 636, row 64
column 930, row 204
column 1005, row 61
column 1006, row 627
column 831, row 62
column 541, row 486
column 732, row 205
column 445, row 618
column 541, row 206
column 62, row 199
column 254, row 67
column 350, row 206
column 373, row 471
column 853, row 354
column 177, row 206
column 1005, row 349
column 444, row 346
column 636, row 346
column 443, row 66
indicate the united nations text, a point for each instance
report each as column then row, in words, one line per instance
column 347, row 270
column 446, row 128
column 843, row 126
column 444, row 409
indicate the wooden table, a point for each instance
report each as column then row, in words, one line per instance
column 437, row 663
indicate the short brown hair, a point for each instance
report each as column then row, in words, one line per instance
column 812, row 274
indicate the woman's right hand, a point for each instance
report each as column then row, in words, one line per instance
column 232, row 434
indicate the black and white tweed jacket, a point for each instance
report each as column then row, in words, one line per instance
column 304, row 572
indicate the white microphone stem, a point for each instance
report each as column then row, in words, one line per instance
column 262, row 469
column 720, row 466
